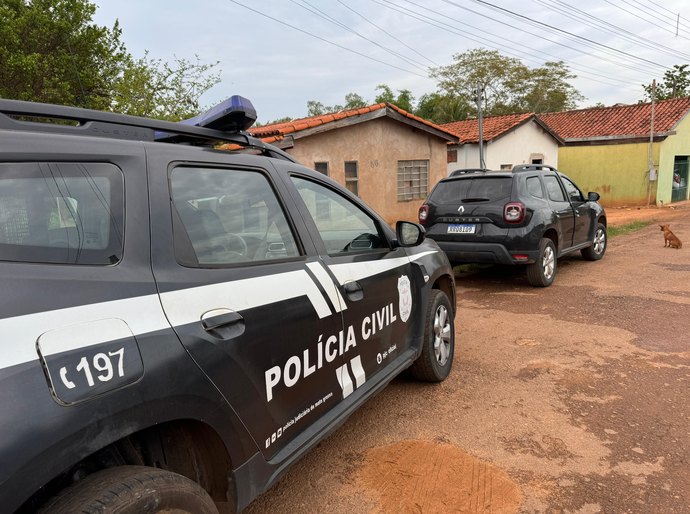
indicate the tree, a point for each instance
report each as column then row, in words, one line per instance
column 404, row 100
column 547, row 89
column 675, row 84
column 509, row 86
column 51, row 51
column 352, row 101
column 155, row 89
column 443, row 108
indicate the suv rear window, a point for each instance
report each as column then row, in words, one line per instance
column 61, row 213
column 484, row 189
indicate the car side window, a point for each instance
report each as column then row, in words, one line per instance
column 343, row 226
column 553, row 188
column 223, row 217
column 61, row 213
column 534, row 187
column 573, row 192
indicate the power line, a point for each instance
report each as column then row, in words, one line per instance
column 675, row 14
column 387, row 33
column 537, row 24
column 673, row 18
column 326, row 40
column 483, row 38
column 650, row 12
column 642, row 17
column 318, row 12
column 574, row 13
column 636, row 68
column 562, row 31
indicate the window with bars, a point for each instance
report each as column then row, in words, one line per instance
column 352, row 176
column 321, row 167
column 413, row 180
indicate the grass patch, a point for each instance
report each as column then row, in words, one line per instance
column 628, row 228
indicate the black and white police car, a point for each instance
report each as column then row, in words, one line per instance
column 179, row 324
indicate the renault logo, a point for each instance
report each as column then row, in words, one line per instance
column 461, row 209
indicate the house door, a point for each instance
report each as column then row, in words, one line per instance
column 680, row 179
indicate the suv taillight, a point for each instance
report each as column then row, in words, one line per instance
column 423, row 213
column 514, row 212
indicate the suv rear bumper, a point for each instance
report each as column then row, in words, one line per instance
column 494, row 253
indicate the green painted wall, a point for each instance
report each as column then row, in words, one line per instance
column 676, row 145
column 618, row 172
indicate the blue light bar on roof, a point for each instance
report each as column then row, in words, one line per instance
column 232, row 115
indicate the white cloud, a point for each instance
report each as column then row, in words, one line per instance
column 280, row 68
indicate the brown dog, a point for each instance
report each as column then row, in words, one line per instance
column 670, row 239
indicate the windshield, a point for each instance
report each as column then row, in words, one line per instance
column 484, row 189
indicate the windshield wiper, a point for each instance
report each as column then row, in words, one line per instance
column 470, row 200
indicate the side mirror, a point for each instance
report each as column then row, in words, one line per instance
column 593, row 197
column 409, row 234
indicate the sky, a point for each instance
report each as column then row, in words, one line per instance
column 282, row 53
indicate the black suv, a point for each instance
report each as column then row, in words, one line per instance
column 179, row 323
column 531, row 216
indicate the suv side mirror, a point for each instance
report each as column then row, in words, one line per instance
column 593, row 197
column 409, row 234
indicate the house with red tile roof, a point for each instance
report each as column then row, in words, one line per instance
column 508, row 140
column 387, row 156
column 607, row 149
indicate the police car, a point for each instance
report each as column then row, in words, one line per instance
column 179, row 324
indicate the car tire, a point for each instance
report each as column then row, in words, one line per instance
column 599, row 242
column 132, row 490
column 436, row 360
column 543, row 272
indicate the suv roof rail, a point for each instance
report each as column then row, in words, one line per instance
column 123, row 126
column 467, row 170
column 533, row 167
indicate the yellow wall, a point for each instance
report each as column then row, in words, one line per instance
column 676, row 145
column 377, row 146
column 618, row 172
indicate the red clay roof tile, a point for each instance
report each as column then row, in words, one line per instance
column 619, row 120
column 493, row 127
column 282, row 129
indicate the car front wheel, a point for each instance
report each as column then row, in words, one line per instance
column 543, row 272
column 436, row 360
column 598, row 248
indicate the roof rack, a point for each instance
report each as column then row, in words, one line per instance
column 133, row 128
column 459, row 172
column 533, row 167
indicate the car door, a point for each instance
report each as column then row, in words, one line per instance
column 563, row 211
column 375, row 283
column 234, row 281
column 584, row 214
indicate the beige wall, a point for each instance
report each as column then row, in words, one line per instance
column 377, row 146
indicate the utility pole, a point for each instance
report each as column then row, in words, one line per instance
column 479, row 98
column 652, row 170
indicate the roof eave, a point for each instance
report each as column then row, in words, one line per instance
column 594, row 139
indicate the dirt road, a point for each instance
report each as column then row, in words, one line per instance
column 573, row 398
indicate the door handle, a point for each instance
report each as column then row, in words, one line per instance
column 223, row 323
column 353, row 290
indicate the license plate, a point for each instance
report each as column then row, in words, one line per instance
column 465, row 228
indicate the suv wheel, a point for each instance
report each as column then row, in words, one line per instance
column 434, row 364
column 598, row 248
column 132, row 490
column 543, row 272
